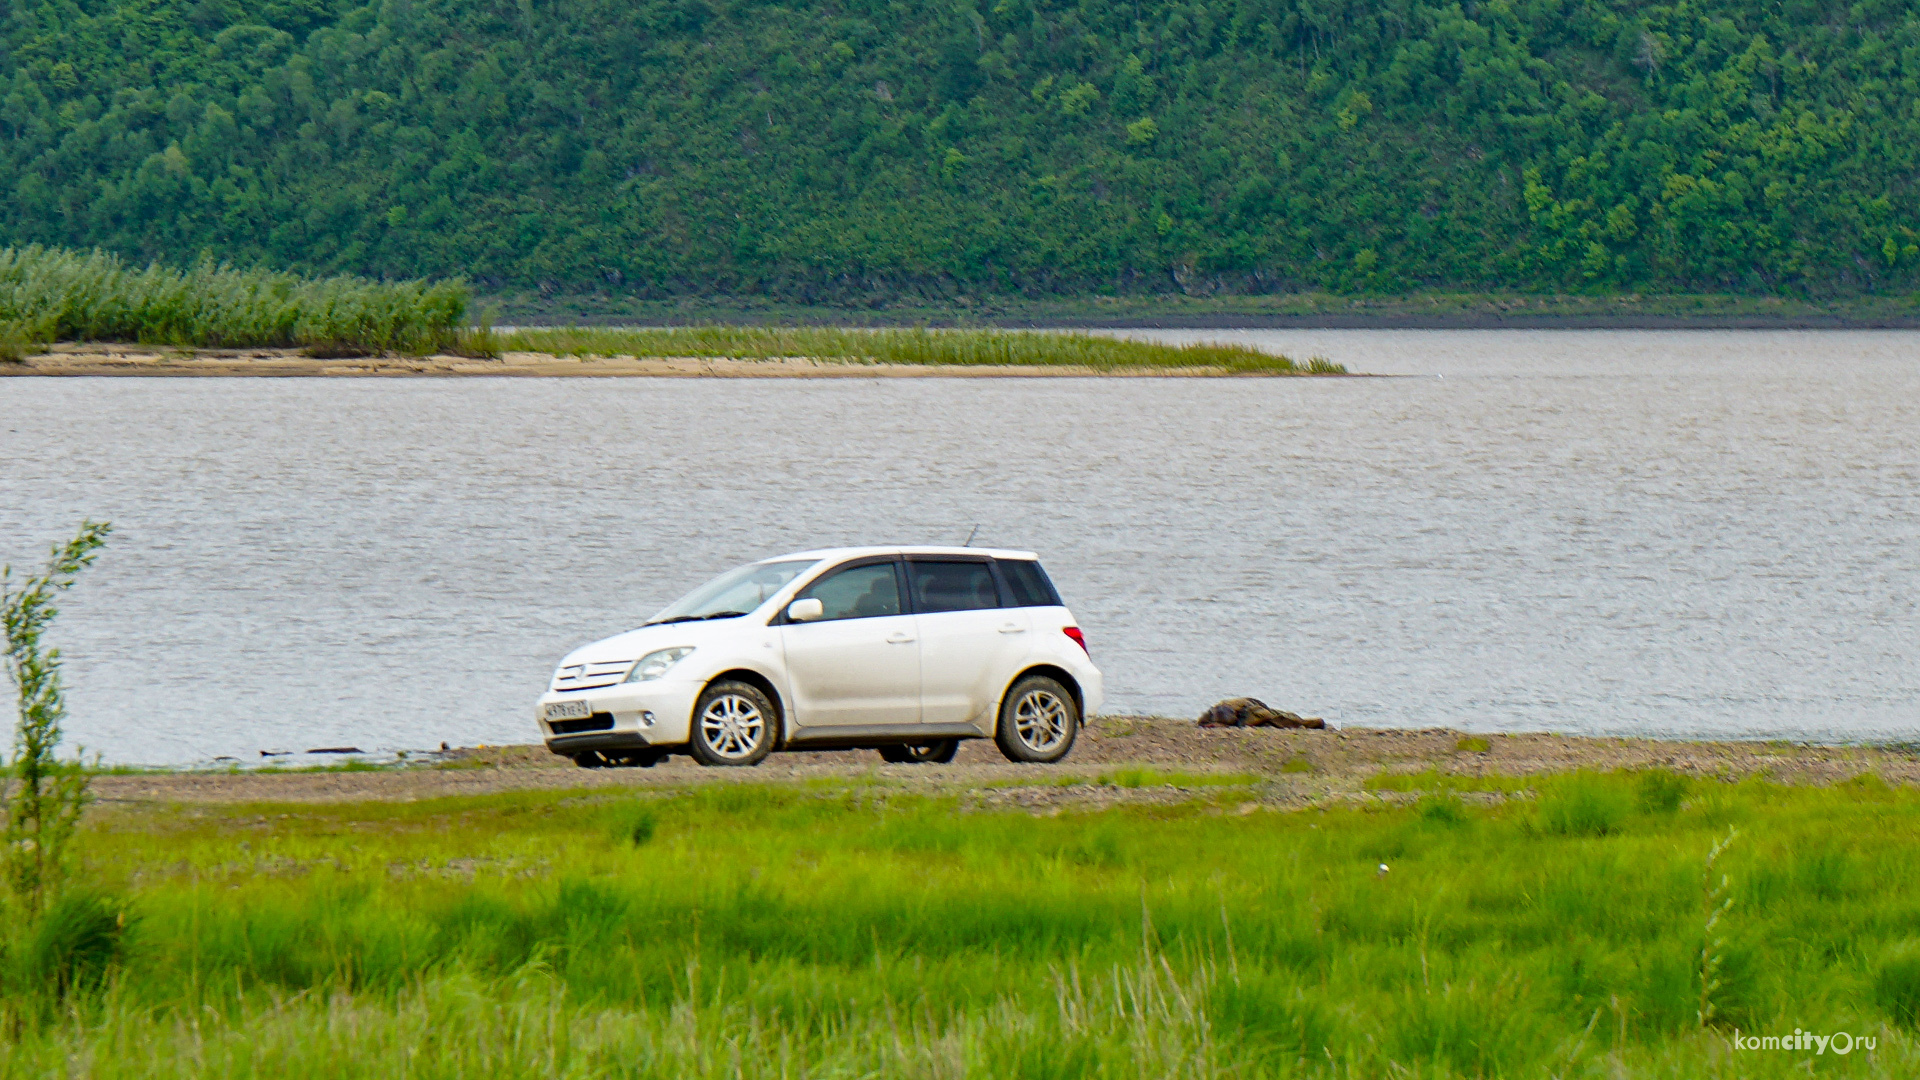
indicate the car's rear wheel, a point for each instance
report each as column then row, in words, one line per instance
column 591, row 759
column 937, row 752
column 733, row 724
column 1039, row 721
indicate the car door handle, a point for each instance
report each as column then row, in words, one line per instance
column 897, row 638
column 1010, row 628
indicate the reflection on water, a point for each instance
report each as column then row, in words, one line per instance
column 1619, row 532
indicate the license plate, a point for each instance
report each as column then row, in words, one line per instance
column 568, row 710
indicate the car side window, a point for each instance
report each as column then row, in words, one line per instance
column 858, row 592
column 952, row 586
column 1028, row 583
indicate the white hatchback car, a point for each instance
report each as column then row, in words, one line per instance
column 902, row 650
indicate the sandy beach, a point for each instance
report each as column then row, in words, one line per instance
column 156, row 361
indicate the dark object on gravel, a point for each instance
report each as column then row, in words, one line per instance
column 1252, row 712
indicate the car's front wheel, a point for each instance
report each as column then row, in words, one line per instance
column 938, row 752
column 732, row 725
column 1038, row 721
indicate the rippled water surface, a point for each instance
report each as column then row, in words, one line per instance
column 1702, row 533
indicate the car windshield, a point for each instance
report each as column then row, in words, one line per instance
column 734, row 593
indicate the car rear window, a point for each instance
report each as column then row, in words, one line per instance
column 1029, row 583
column 952, row 586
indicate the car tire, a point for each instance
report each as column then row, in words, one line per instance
column 591, row 759
column 733, row 724
column 937, row 752
column 1039, row 721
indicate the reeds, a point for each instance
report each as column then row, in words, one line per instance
column 53, row 294
column 934, row 348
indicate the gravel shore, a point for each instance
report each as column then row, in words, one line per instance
column 1272, row 768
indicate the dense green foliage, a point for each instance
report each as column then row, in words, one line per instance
column 833, row 930
column 930, row 347
column 56, row 295
column 856, row 149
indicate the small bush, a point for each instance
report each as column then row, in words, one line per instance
column 1584, row 805
column 1661, row 792
column 1896, row 984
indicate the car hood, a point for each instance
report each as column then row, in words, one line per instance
column 634, row 644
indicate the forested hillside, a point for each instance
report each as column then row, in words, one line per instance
column 843, row 150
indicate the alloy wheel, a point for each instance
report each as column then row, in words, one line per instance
column 1040, row 721
column 732, row 726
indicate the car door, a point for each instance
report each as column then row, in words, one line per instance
column 859, row 663
column 969, row 644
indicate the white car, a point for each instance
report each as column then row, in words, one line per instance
column 902, row 650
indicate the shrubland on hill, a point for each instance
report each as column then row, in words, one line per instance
column 839, row 150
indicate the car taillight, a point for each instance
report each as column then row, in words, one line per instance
column 1079, row 638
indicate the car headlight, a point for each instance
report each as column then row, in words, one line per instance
column 655, row 664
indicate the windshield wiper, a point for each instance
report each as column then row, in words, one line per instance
column 697, row 618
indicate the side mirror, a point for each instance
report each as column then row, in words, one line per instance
column 805, row 610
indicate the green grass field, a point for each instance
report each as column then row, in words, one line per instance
column 932, row 347
column 854, row 930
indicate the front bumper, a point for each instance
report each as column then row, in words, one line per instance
column 648, row 714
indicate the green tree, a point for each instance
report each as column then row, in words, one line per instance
column 43, row 795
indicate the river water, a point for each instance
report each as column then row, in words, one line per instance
column 1630, row 533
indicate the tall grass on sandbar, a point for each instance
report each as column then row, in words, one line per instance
column 933, row 348
column 54, row 294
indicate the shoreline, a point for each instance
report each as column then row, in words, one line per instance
column 140, row 361
column 1292, row 768
column 1299, row 311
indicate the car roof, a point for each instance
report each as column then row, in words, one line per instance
column 838, row 554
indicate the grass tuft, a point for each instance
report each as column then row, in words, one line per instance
column 635, row 825
column 1896, row 983
column 1473, row 744
column 1661, row 792
column 74, row 944
column 1441, row 809
column 1584, row 804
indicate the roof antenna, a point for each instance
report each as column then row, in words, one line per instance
column 968, row 542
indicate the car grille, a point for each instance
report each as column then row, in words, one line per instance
column 588, row 676
column 600, row 721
